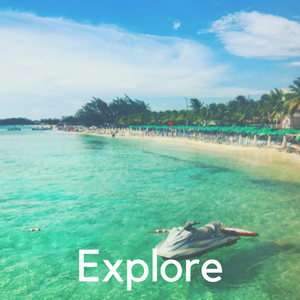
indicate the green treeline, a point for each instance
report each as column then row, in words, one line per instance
column 240, row 111
column 24, row 121
column 16, row 121
column 98, row 112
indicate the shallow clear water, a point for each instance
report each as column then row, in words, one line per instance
column 88, row 192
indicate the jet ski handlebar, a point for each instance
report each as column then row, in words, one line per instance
column 189, row 224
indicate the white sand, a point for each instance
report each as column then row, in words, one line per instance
column 254, row 155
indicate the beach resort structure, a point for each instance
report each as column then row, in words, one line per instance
column 288, row 121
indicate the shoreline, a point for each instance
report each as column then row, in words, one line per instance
column 250, row 154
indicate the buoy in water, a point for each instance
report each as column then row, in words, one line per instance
column 159, row 231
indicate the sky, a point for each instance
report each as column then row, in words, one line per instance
column 56, row 55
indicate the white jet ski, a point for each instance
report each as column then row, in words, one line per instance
column 187, row 242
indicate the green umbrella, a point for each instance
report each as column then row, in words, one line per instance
column 236, row 129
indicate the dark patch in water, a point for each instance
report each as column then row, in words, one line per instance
column 164, row 156
column 197, row 176
column 266, row 182
column 244, row 266
column 93, row 144
column 269, row 183
column 286, row 245
column 200, row 165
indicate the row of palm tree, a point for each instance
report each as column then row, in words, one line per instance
column 240, row 111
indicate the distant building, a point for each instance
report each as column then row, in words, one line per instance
column 286, row 122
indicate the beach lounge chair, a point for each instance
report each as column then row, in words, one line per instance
column 281, row 149
column 262, row 144
column 290, row 150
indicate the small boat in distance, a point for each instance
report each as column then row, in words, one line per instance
column 41, row 128
column 13, row 128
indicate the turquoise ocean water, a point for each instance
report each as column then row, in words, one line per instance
column 88, row 192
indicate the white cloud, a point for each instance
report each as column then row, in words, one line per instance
column 176, row 25
column 294, row 64
column 257, row 35
column 49, row 67
column 51, row 63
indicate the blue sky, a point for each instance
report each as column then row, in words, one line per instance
column 56, row 55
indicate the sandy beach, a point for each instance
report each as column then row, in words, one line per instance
column 260, row 156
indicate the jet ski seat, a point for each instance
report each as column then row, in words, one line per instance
column 207, row 230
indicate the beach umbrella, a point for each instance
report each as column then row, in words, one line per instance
column 298, row 138
column 289, row 131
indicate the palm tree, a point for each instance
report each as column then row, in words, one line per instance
column 126, row 111
column 166, row 116
column 196, row 105
column 296, row 87
column 278, row 97
column 212, row 108
column 271, row 104
column 182, row 115
column 242, row 100
column 94, row 113
column 173, row 116
column 193, row 115
column 292, row 104
column 244, row 111
column 153, row 118
column 204, row 115
column 220, row 112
